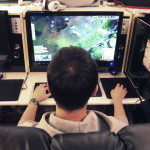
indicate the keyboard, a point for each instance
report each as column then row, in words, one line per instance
column 110, row 83
column 99, row 93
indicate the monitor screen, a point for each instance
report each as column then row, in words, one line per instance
column 96, row 32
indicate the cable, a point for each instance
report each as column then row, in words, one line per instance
column 24, row 83
column 122, row 4
column 117, row 2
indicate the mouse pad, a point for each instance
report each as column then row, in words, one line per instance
column 99, row 93
column 110, row 83
column 10, row 89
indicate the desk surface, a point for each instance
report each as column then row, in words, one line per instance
column 25, row 95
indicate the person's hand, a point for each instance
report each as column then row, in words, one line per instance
column 118, row 93
column 40, row 92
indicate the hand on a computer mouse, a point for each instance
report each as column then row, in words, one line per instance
column 118, row 93
column 40, row 92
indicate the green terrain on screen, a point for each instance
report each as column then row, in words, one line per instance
column 93, row 33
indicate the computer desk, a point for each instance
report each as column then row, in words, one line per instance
column 33, row 77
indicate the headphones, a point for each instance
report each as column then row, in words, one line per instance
column 55, row 6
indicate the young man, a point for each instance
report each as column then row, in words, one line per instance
column 72, row 78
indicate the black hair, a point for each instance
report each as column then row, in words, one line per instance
column 72, row 77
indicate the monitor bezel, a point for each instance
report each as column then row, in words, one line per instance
column 7, row 32
column 9, row 2
column 100, row 63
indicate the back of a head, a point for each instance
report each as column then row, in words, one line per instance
column 72, row 77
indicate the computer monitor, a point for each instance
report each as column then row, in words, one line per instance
column 5, row 33
column 96, row 32
column 138, row 66
column 9, row 1
column 146, row 58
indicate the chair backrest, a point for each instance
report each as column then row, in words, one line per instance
column 87, row 141
column 134, row 137
column 24, row 138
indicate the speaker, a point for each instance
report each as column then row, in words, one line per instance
column 17, row 56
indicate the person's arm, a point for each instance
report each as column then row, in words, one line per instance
column 118, row 94
column 39, row 94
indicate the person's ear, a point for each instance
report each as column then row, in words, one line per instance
column 95, row 91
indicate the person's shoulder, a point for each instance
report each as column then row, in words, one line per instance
column 32, row 123
column 98, row 113
column 27, row 123
column 114, row 124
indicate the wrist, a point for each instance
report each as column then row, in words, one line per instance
column 34, row 101
column 117, row 102
column 37, row 98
